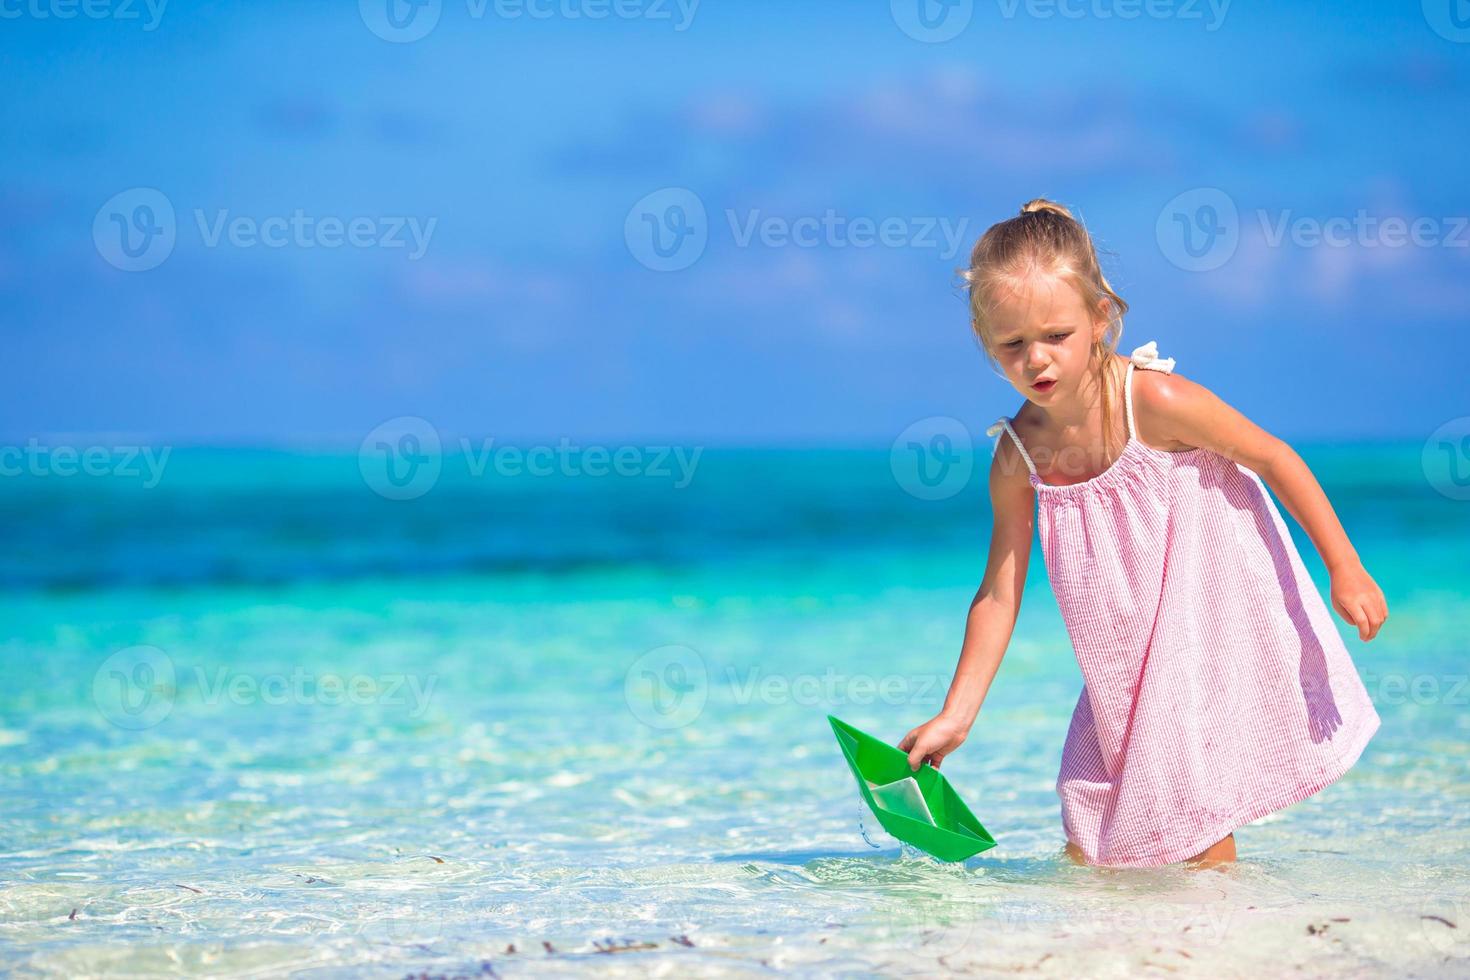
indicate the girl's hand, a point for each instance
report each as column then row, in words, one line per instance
column 933, row 740
column 1359, row 600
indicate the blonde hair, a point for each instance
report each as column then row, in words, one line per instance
column 1045, row 239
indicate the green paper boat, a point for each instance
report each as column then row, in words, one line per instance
column 919, row 808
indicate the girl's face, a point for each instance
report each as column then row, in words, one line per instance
column 1042, row 338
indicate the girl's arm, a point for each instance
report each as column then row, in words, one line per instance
column 1175, row 409
column 992, row 615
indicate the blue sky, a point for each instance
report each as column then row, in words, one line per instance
column 523, row 144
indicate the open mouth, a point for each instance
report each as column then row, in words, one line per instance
column 1044, row 385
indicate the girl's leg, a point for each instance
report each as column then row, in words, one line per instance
column 1220, row 852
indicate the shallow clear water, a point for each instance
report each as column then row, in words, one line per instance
column 258, row 719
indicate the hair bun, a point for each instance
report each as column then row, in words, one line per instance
column 1042, row 204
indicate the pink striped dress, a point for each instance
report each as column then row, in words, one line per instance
column 1216, row 687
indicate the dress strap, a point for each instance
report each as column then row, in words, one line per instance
column 995, row 430
column 1147, row 357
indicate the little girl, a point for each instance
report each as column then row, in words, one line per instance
column 1216, row 687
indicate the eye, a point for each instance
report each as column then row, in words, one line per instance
column 1060, row 336
column 1011, row 344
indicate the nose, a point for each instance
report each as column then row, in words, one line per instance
column 1035, row 357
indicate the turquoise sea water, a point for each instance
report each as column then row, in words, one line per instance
column 258, row 718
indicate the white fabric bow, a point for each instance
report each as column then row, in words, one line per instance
column 1148, row 357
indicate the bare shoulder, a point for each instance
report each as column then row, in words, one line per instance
column 1167, row 393
column 1028, row 419
column 1009, row 473
column 1175, row 413
column 1162, row 400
